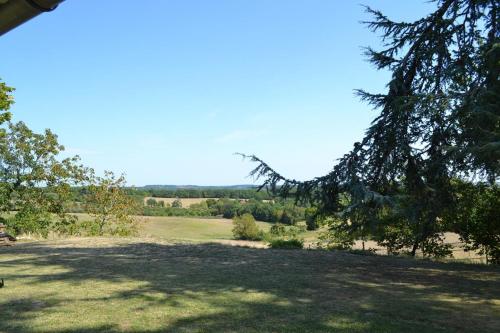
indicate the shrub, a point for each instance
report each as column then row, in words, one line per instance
column 368, row 252
column 311, row 216
column 336, row 238
column 286, row 218
column 151, row 202
column 280, row 243
column 281, row 230
column 177, row 203
column 246, row 228
column 278, row 230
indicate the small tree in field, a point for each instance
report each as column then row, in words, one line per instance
column 177, row 203
column 110, row 206
column 245, row 228
column 151, row 202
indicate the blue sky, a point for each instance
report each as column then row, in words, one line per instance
column 166, row 91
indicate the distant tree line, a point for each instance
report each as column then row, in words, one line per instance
column 203, row 193
column 282, row 211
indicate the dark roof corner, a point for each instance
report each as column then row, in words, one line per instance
column 15, row 12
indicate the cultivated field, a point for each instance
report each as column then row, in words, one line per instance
column 91, row 285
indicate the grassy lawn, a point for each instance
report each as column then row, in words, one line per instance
column 141, row 285
column 190, row 229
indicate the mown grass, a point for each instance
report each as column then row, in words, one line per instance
column 140, row 285
column 200, row 229
column 190, row 229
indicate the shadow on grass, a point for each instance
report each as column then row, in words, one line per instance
column 218, row 288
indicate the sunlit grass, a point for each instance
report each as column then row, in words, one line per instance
column 142, row 285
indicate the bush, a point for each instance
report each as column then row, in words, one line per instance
column 337, row 237
column 246, row 228
column 177, row 203
column 368, row 252
column 278, row 230
column 286, row 218
column 311, row 216
column 151, row 202
column 281, row 230
column 280, row 243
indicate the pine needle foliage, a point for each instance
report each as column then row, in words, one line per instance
column 438, row 120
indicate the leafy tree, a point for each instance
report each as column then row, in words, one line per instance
column 110, row 206
column 311, row 216
column 475, row 217
column 6, row 100
column 438, row 120
column 34, row 183
column 152, row 202
column 244, row 227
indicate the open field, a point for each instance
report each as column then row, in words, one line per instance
column 139, row 285
column 198, row 229
column 190, row 229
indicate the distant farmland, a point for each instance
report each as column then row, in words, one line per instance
column 186, row 202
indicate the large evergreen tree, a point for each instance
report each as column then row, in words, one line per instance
column 439, row 119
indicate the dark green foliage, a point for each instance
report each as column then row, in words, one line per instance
column 281, row 236
column 476, row 217
column 6, row 101
column 230, row 193
column 438, row 120
column 337, row 237
column 285, row 218
column 173, row 211
column 293, row 243
column 151, row 202
column 227, row 208
column 367, row 252
column 278, row 230
column 245, row 228
column 34, row 182
column 285, row 231
column 311, row 216
column 29, row 221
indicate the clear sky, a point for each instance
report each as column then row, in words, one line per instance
column 167, row 90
